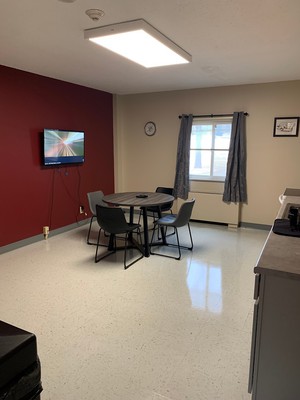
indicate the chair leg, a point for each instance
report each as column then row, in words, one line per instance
column 148, row 215
column 179, row 247
column 167, row 244
column 125, row 252
column 192, row 243
column 169, row 234
column 89, row 232
column 140, row 216
column 191, row 239
column 107, row 253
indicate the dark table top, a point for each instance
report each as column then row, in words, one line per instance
column 132, row 199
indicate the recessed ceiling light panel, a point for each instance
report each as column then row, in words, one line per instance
column 140, row 42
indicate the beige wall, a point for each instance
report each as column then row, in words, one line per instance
column 143, row 163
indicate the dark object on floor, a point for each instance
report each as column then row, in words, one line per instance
column 20, row 370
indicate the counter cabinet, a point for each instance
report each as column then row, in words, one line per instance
column 275, row 347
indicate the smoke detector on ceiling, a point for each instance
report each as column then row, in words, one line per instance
column 95, row 14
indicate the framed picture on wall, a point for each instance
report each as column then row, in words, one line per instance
column 286, row 126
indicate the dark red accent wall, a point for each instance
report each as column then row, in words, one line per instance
column 33, row 196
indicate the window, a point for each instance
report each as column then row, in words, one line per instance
column 210, row 139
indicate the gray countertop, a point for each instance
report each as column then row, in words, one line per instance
column 281, row 254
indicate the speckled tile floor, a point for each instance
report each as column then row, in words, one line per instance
column 161, row 330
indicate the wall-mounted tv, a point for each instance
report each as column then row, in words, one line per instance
column 63, row 147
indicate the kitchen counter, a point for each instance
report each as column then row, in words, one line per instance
column 281, row 254
column 275, row 346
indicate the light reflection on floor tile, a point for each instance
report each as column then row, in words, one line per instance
column 161, row 330
column 205, row 286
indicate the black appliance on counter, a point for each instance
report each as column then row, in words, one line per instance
column 289, row 226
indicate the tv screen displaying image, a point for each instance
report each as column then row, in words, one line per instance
column 63, row 147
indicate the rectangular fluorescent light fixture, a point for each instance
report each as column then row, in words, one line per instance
column 139, row 42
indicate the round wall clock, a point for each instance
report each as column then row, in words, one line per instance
column 150, row 128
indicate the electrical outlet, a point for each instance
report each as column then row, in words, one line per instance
column 81, row 210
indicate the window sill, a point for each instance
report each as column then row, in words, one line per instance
column 208, row 179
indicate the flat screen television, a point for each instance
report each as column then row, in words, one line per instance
column 63, row 147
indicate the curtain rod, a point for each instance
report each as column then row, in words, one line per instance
column 211, row 115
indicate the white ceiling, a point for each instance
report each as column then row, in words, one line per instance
column 232, row 42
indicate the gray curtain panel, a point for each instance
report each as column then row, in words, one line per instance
column 235, row 189
column 182, row 181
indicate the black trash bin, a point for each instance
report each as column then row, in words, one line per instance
column 20, row 369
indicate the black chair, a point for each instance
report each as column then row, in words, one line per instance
column 112, row 221
column 175, row 221
column 94, row 198
column 154, row 211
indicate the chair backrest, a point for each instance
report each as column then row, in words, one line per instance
column 184, row 213
column 111, row 219
column 165, row 190
column 95, row 198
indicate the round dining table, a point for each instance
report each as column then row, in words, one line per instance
column 143, row 200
